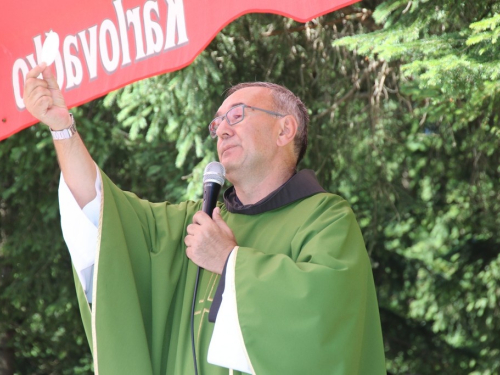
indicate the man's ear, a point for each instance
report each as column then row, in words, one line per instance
column 288, row 130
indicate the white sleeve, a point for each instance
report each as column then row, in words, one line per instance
column 227, row 348
column 79, row 228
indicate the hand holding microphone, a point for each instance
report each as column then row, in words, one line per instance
column 209, row 240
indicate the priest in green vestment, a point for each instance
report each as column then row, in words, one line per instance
column 285, row 275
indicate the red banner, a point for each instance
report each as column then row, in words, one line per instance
column 105, row 45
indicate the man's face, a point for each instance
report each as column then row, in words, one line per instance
column 249, row 146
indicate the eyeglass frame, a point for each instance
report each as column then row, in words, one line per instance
column 214, row 134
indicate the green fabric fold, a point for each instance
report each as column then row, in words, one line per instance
column 305, row 295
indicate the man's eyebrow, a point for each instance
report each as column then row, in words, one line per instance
column 232, row 106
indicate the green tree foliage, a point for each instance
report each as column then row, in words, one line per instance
column 403, row 99
column 439, row 162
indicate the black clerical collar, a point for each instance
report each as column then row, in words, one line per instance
column 301, row 185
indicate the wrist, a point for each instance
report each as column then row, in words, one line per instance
column 67, row 132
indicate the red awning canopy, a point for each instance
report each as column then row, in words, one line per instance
column 107, row 45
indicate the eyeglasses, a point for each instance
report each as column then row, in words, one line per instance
column 234, row 116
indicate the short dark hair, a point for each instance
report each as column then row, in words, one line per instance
column 285, row 102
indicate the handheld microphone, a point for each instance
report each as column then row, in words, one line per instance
column 213, row 179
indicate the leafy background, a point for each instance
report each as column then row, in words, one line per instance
column 404, row 100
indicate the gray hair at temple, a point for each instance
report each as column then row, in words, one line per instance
column 285, row 102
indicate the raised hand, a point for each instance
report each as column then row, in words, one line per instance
column 44, row 100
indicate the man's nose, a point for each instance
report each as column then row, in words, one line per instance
column 224, row 130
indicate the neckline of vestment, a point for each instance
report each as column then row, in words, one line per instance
column 301, row 185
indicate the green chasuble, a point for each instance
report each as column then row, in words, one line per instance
column 305, row 295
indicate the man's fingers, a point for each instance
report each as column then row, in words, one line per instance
column 35, row 72
column 37, row 98
column 50, row 78
column 191, row 228
column 35, row 88
column 31, row 84
column 44, row 99
column 43, row 103
column 200, row 218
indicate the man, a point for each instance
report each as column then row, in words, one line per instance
column 299, row 296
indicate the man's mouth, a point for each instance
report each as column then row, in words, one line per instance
column 226, row 148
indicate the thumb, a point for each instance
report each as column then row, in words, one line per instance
column 51, row 80
column 36, row 71
column 219, row 221
column 216, row 214
column 49, row 76
column 217, row 218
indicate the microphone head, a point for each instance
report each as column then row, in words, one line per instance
column 214, row 172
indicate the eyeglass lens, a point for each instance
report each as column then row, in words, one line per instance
column 233, row 116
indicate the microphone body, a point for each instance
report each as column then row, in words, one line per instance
column 210, row 193
column 213, row 179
